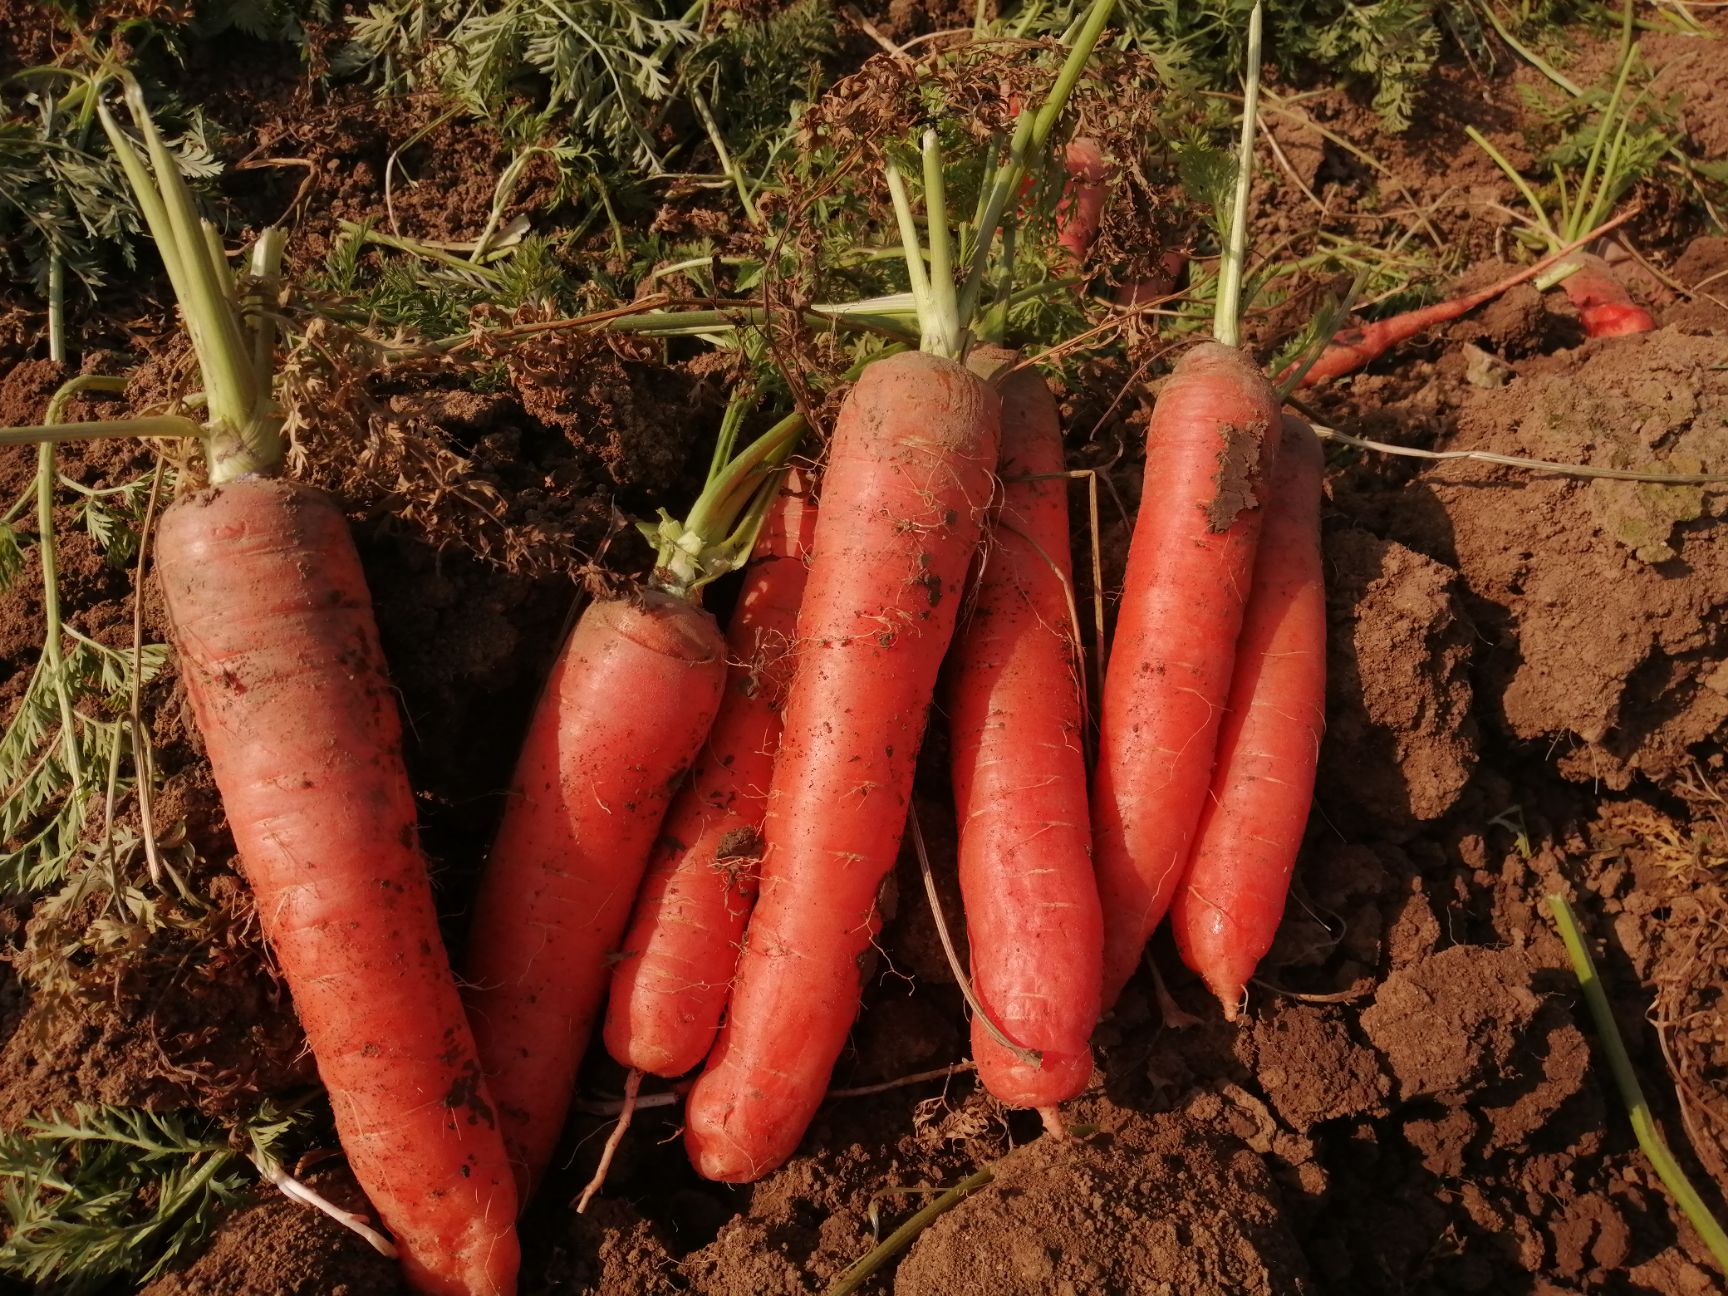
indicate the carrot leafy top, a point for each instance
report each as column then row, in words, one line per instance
column 947, row 311
column 232, row 332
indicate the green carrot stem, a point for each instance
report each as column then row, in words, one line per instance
column 1227, row 312
column 1529, row 55
column 158, row 425
column 703, row 545
column 243, row 435
column 1542, row 221
column 266, row 272
column 862, row 1269
column 425, row 251
column 1585, row 215
column 915, row 273
column 56, row 308
column 1031, row 133
column 730, row 420
column 946, row 333
column 1631, row 1092
column 46, row 547
column 223, row 358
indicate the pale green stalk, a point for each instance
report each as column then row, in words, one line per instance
column 46, row 547
column 1644, row 1125
column 728, row 166
column 158, row 425
column 861, row 1270
column 946, row 333
column 244, row 435
column 909, row 236
column 1031, row 133
column 1227, row 316
column 1542, row 221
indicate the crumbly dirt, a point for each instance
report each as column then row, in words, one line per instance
column 274, row 1247
column 1526, row 695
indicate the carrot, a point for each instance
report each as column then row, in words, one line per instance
column 278, row 650
column 1080, row 213
column 1354, row 348
column 1228, row 910
column 670, row 986
column 907, row 479
column 909, row 476
column 1604, row 306
column 1156, row 286
column 280, row 657
column 627, row 705
column 1015, row 711
column 1611, row 168
column 1209, row 450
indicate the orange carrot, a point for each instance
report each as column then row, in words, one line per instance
column 1016, row 713
column 670, row 986
column 907, row 482
column 280, row 657
column 1604, row 306
column 1208, row 452
column 1355, row 348
column 626, row 708
column 1227, row 912
column 1080, row 213
column 1156, row 286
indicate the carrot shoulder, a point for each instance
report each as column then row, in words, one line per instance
column 1016, row 714
column 670, row 986
column 1227, row 912
column 280, row 656
column 622, row 716
column 1190, row 564
column 907, row 482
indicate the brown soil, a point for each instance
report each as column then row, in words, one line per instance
column 1526, row 695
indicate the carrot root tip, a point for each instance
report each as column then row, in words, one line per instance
column 632, row 1086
